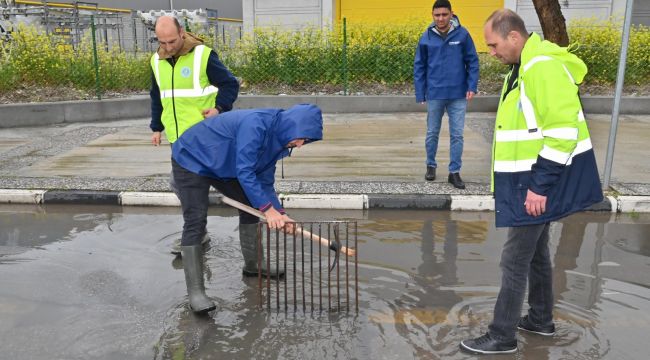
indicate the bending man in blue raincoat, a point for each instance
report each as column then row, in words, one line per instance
column 236, row 153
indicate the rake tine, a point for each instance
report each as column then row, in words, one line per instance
column 259, row 262
column 295, row 289
column 329, row 273
column 277, row 266
column 268, row 266
column 286, row 284
column 338, row 271
column 347, row 269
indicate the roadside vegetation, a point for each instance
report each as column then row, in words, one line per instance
column 369, row 59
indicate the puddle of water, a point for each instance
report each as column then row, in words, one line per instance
column 90, row 282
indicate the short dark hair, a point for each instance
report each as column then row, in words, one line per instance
column 505, row 20
column 442, row 4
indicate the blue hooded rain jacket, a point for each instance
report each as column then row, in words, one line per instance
column 246, row 144
column 445, row 68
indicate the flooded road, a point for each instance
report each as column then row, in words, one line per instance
column 98, row 283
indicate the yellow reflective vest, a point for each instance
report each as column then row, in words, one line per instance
column 185, row 90
column 541, row 139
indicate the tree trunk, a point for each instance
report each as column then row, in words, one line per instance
column 552, row 21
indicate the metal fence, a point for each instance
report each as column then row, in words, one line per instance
column 109, row 56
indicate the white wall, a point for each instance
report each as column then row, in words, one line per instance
column 571, row 9
column 288, row 14
column 574, row 9
column 641, row 12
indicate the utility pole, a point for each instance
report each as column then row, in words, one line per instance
column 620, row 77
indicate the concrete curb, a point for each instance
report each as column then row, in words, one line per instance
column 621, row 204
column 14, row 196
column 81, row 197
column 138, row 107
column 409, row 201
column 633, row 204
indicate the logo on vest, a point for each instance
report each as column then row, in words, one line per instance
column 454, row 42
column 185, row 72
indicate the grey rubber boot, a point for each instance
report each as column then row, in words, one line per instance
column 176, row 246
column 248, row 240
column 193, row 267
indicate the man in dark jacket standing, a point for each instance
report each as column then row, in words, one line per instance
column 544, row 169
column 236, row 153
column 445, row 74
column 188, row 84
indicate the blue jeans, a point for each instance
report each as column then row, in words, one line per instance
column 525, row 257
column 193, row 191
column 456, row 111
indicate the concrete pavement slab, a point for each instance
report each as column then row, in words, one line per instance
column 378, row 154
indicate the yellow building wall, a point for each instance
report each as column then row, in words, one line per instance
column 472, row 13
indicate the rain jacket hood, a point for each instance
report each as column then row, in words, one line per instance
column 536, row 46
column 300, row 122
column 453, row 24
column 245, row 145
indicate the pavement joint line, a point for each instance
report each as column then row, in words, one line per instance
column 614, row 204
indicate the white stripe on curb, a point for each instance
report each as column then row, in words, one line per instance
column 324, row 201
column 149, row 199
column 15, row 196
column 634, row 204
column 613, row 203
column 472, row 202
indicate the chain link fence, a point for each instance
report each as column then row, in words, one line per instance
column 106, row 59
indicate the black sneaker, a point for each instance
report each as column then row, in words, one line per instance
column 454, row 179
column 527, row 325
column 487, row 345
column 431, row 173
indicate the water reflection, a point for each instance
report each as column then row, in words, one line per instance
column 99, row 283
column 33, row 227
column 420, row 315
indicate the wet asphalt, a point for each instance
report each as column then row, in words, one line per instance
column 89, row 282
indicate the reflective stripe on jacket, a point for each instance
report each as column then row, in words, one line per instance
column 541, row 140
column 185, row 90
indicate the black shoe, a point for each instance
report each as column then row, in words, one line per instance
column 487, row 345
column 454, row 179
column 527, row 325
column 431, row 174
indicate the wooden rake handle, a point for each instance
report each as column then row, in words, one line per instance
column 320, row 240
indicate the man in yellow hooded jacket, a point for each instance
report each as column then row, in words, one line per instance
column 543, row 169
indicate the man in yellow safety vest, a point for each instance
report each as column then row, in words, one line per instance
column 188, row 84
column 543, row 169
